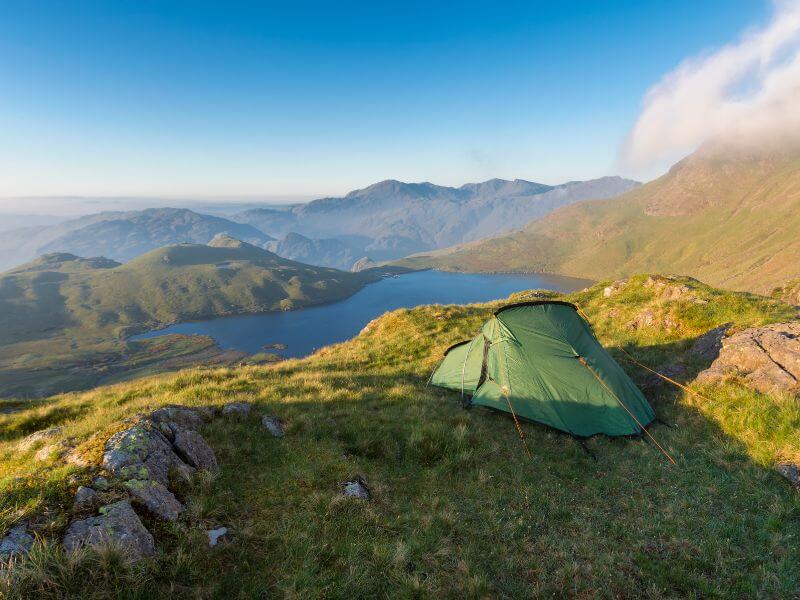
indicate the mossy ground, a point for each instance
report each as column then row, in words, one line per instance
column 458, row 509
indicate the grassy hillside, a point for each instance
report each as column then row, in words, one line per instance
column 63, row 317
column 726, row 216
column 458, row 510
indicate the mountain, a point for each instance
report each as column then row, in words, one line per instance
column 62, row 314
column 329, row 252
column 728, row 214
column 391, row 219
column 121, row 235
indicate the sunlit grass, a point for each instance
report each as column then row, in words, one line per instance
column 458, row 510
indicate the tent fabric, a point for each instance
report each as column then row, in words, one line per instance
column 543, row 359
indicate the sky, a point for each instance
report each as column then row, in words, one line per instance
column 303, row 99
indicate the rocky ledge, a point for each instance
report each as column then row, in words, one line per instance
column 766, row 359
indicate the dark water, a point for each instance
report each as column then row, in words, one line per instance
column 303, row 331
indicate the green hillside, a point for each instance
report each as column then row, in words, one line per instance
column 63, row 319
column 729, row 216
column 458, row 509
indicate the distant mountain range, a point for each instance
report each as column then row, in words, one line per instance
column 121, row 235
column 727, row 214
column 391, row 219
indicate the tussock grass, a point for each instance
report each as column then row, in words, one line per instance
column 458, row 510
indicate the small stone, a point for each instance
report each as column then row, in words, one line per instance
column 273, row 424
column 236, row 410
column 100, row 483
column 215, row 534
column 156, row 498
column 84, row 497
column 45, row 452
column 356, row 489
column 16, row 542
column 193, row 449
column 116, row 524
column 791, row 472
column 45, row 434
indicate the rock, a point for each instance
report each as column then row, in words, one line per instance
column 84, row 497
column 215, row 534
column 273, row 424
column 100, row 483
column 16, row 542
column 614, row 288
column 39, row 436
column 356, row 489
column 192, row 448
column 791, row 471
column 45, row 452
column 766, row 358
column 140, row 452
column 708, row 345
column 236, row 410
column 647, row 318
column 674, row 371
column 116, row 524
column 185, row 418
column 156, row 498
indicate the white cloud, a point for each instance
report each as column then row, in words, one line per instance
column 746, row 90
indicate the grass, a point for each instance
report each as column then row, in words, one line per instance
column 458, row 510
column 61, row 316
column 727, row 219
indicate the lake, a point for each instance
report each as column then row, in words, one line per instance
column 305, row 330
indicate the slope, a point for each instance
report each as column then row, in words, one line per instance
column 458, row 509
column 727, row 215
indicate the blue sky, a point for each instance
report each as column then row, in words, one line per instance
column 269, row 99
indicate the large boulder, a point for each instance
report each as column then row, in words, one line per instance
column 16, row 542
column 766, row 358
column 140, row 452
column 117, row 524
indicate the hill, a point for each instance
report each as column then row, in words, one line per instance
column 391, row 218
column 726, row 214
column 457, row 508
column 328, row 252
column 61, row 313
column 121, row 235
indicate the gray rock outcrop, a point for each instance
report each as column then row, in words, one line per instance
column 766, row 358
column 194, row 450
column 16, row 542
column 117, row 524
column 39, row 436
column 155, row 498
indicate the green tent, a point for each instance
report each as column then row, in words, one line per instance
column 541, row 361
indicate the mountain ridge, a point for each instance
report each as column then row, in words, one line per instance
column 728, row 216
